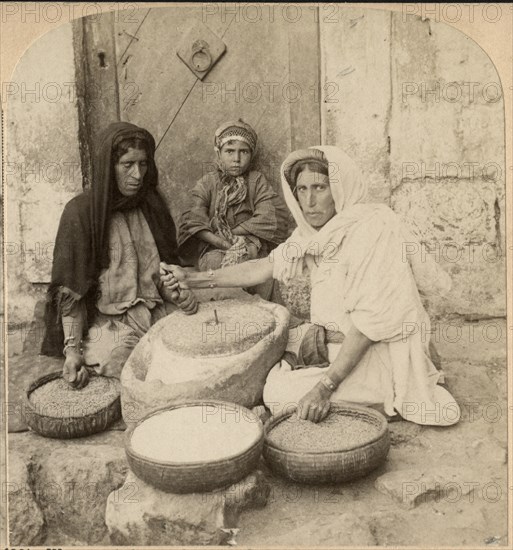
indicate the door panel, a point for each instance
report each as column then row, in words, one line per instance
column 268, row 76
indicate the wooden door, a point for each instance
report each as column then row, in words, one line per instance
column 268, row 75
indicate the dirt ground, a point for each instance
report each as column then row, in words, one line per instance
column 471, row 454
column 438, row 486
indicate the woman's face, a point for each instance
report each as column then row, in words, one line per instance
column 130, row 171
column 315, row 198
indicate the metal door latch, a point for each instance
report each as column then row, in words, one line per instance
column 201, row 58
column 200, row 48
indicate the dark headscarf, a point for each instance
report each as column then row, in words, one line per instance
column 82, row 246
column 106, row 197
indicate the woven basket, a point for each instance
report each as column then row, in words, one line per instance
column 72, row 426
column 197, row 477
column 318, row 467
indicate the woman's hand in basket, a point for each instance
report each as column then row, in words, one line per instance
column 74, row 370
column 315, row 405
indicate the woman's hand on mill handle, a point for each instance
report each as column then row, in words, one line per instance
column 187, row 302
column 173, row 280
column 173, row 277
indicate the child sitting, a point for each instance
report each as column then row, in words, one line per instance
column 234, row 215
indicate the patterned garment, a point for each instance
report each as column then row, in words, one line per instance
column 235, row 130
column 313, row 351
column 238, row 253
column 232, row 193
column 261, row 213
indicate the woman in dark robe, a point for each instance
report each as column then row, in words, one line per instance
column 106, row 291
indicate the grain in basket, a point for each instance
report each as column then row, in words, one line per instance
column 58, row 399
column 335, row 432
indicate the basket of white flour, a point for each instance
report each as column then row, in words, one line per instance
column 196, row 446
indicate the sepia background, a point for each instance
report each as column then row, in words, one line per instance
column 418, row 104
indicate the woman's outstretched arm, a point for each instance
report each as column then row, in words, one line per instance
column 247, row 274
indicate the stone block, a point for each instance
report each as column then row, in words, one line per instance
column 479, row 422
column 38, row 448
column 498, row 373
column 449, row 211
column 72, row 485
column 23, row 370
column 357, row 90
column 457, row 224
column 26, row 522
column 411, row 487
column 479, row 343
column 141, row 515
column 470, row 385
column 403, row 432
column 446, row 97
column 40, row 179
column 488, row 451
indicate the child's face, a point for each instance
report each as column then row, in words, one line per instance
column 235, row 156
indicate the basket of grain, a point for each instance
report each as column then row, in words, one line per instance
column 349, row 443
column 54, row 409
column 195, row 447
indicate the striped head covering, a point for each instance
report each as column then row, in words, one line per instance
column 235, row 130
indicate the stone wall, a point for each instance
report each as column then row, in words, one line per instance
column 42, row 169
column 416, row 103
column 420, row 108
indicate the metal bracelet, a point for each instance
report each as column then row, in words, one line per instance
column 211, row 275
column 76, row 347
column 328, row 383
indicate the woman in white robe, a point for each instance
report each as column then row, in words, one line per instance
column 365, row 285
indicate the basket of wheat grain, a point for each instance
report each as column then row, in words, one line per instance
column 54, row 409
column 195, row 447
column 349, row 443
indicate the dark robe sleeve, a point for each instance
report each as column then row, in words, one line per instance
column 73, row 275
column 162, row 227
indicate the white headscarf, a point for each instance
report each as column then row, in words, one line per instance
column 306, row 243
column 349, row 191
column 346, row 185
